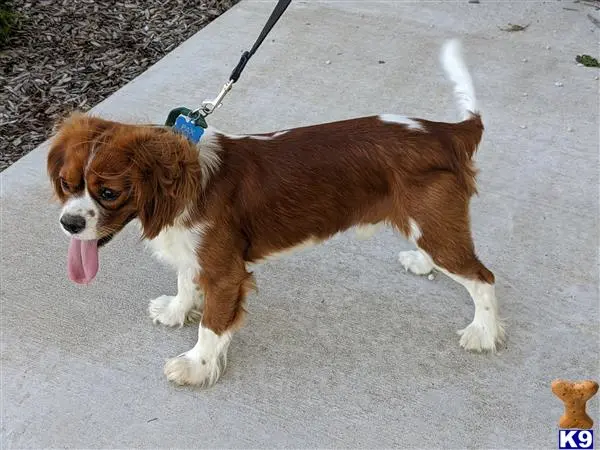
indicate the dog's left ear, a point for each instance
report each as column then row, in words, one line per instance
column 55, row 159
column 166, row 178
column 54, row 163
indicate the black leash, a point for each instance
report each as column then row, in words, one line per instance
column 275, row 15
column 192, row 123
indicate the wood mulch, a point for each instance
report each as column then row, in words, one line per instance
column 72, row 54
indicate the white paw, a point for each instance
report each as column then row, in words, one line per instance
column 479, row 337
column 190, row 368
column 169, row 310
column 415, row 261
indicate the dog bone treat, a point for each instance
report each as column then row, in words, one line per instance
column 575, row 395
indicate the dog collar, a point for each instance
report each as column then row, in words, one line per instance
column 192, row 123
column 184, row 121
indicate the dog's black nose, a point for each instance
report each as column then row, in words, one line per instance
column 73, row 224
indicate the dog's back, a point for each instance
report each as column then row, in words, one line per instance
column 311, row 182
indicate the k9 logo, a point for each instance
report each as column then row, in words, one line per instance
column 576, row 439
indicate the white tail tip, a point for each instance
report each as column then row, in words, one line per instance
column 457, row 72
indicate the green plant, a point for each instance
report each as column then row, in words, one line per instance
column 512, row 27
column 8, row 22
column 587, row 61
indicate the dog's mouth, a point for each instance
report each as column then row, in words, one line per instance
column 83, row 260
column 105, row 239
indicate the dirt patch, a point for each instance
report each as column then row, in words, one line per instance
column 71, row 54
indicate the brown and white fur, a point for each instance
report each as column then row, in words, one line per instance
column 209, row 210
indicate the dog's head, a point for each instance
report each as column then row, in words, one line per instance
column 105, row 174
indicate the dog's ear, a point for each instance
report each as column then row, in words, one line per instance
column 57, row 153
column 54, row 163
column 64, row 130
column 166, row 177
column 72, row 138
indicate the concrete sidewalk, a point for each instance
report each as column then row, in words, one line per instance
column 341, row 349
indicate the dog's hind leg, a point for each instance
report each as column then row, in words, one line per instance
column 441, row 231
column 452, row 253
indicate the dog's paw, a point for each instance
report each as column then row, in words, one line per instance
column 170, row 311
column 479, row 337
column 191, row 369
column 415, row 261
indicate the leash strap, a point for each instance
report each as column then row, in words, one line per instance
column 275, row 15
column 192, row 123
column 208, row 106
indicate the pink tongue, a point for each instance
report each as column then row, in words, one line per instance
column 82, row 260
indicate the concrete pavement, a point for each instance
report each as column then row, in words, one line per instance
column 341, row 349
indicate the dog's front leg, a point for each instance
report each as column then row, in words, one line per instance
column 225, row 283
column 184, row 307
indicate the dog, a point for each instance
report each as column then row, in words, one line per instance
column 210, row 209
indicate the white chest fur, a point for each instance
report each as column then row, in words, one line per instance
column 177, row 246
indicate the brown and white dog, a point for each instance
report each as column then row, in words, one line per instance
column 210, row 209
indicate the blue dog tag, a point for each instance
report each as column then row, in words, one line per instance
column 186, row 126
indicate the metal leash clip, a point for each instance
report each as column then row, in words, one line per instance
column 209, row 106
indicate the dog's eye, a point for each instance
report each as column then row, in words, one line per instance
column 64, row 184
column 108, row 195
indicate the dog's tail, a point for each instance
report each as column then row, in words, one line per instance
column 457, row 72
column 467, row 137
